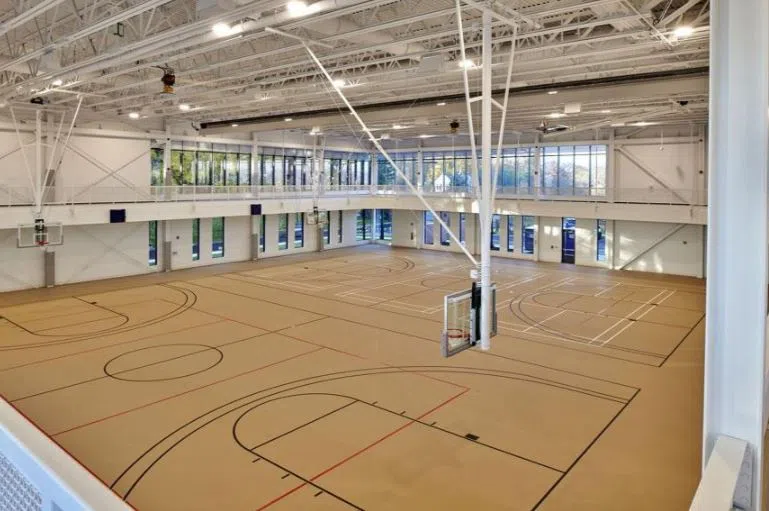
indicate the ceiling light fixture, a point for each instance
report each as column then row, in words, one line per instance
column 339, row 83
column 605, row 111
column 441, row 103
column 133, row 115
column 235, row 125
column 552, row 92
column 556, row 115
column 288, row 119
column 222, row 29
column 424, row 135
column 466, row 64
column 683, row 31
column 298, row 8
column 184, row 107
column 57, row 82
column 398, row 127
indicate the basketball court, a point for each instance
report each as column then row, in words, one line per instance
column 316, row 382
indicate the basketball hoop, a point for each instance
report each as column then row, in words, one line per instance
column 457, row 334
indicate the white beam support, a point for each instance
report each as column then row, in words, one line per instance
column 384, row 153
column 737, row 240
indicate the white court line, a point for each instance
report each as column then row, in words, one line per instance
column 668, row 296
column 539, row 323
column 625, row 318
column 404, row 306
column 651, row 307
column 607, row 289
column 289, row 284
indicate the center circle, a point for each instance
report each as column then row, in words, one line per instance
column 163, row 362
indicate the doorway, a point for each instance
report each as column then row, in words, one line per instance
column 568, row 228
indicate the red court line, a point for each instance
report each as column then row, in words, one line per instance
column 361, row 451
column 100, row 347
column 145, row 405
column 54, row 442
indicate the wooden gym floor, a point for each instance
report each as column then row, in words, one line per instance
column 315, row 382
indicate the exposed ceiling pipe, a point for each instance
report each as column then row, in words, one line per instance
column 28, row 15
column 235, row 77
column 192, row 34
column 89, row 30
column 384, row 41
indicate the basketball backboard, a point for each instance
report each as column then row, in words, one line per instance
column 461, row 319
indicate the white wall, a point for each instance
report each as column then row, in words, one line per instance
column 659, row 248
column 655, row 171
column 549, row 239
column 311, row 232
column 20, row 268
column 237, row 243
column 87, row 161
column 89, row 252
column 408, row 231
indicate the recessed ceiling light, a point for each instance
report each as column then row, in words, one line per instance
column 222, row 29
column 133, row 115
column 552, row 92
column 58, row 82
column 184, row 107
column 683, row 31
column 556, row 115
column 605, row 111
column 339, row 83
column 235, row 124
column 441, row 103
column 288, row 119
column 297, row 8
column 466, row 64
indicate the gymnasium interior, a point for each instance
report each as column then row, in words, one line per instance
column 384, row 255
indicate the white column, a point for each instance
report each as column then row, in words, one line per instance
column 485, row 203
column 167, row 158
column 611, row 159
column 255, row 170
column 737, row 228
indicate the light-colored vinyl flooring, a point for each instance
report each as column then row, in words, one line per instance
column 316, row 383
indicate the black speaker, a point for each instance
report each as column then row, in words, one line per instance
column 116, row 216
column 256, row 209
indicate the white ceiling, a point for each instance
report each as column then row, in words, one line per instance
column 392, row 51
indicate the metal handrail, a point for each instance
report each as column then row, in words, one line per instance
column 62, row 195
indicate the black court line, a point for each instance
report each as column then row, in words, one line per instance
column 593, row 352
column 229, row 343
column 293, row 430
column 518, row 313
column 427, row 339
column 682, row 340
column 190, row 299
column 335, row 376
column 591, row 444
column 251, row 399
column 70, row 325
column 609, row 316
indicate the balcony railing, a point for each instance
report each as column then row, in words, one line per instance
column 60, row 195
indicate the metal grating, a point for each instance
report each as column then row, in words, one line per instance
column 16, row 491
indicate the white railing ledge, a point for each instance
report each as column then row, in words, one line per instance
column 725, row 483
